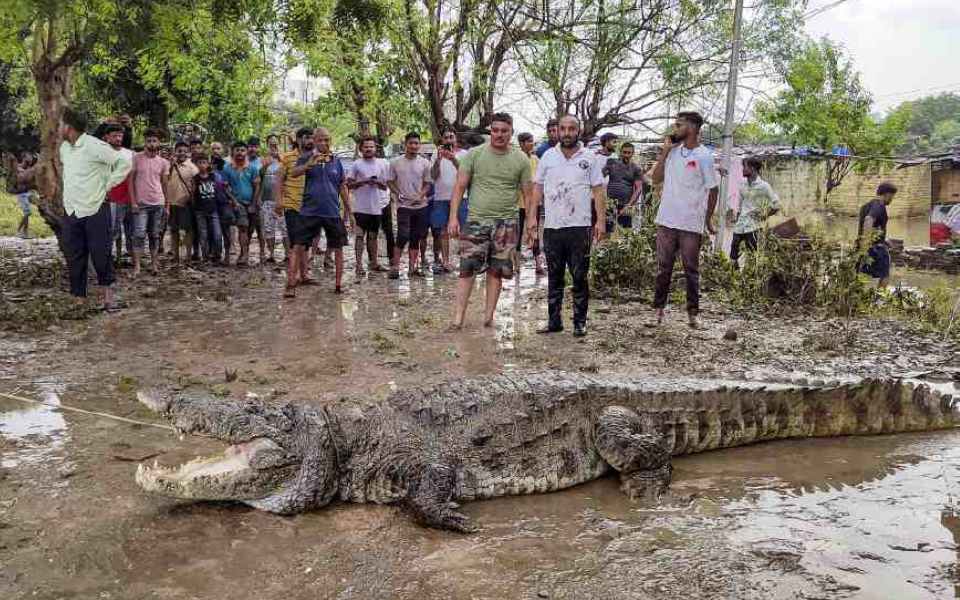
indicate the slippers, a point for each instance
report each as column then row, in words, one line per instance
column 289, row 292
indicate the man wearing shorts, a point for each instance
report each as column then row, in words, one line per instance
column 367, row 178
column 444, row 174
column 180, row 199
column 410, row 182
column 873, row 233
column 290, row 189
column 493, row 173
column 325, row 186
column 243, row 179
column 270, row 222
column 569, row 184
column 21, row 183
column 148, row 198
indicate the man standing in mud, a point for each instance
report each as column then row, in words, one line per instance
column 569, row 184
column 494, row 174
column 325, row 187
column 148, row 198
column 689, row 197
column 90, row 168
column 444, row 175
column 873, row 232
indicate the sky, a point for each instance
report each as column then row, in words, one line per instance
column 904, row 49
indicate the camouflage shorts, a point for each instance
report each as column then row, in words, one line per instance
column 486, row 247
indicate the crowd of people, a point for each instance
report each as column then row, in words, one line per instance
column 557, row 198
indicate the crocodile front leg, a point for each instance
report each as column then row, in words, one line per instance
column 429, row 498
column 641, row 458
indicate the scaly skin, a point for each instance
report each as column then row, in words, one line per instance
column 510, row 434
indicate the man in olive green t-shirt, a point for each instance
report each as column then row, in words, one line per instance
column 494, row 173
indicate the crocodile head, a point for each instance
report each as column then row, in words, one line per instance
column 282, row 459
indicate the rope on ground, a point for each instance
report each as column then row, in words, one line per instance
column 87, row 412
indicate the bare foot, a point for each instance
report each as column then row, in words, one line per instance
column 488, row 323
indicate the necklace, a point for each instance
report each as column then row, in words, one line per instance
column 688, row 151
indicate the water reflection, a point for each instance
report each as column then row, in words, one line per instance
column 37, row 432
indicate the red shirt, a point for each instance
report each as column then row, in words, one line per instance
column 120, row 194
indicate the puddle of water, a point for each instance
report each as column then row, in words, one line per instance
column 36, row 433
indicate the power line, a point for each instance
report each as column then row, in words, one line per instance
column 946, row 87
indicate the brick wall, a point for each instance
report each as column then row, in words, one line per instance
column 914, row 185
column 801, row 184
column 946, row 186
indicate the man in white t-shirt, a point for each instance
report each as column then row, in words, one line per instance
column 569, row 183
column 367, row 179
column 685, row 167
column 444, row 175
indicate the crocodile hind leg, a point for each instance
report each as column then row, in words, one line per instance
column 641, row 459
column 429, row 499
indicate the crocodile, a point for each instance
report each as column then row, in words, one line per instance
column 431, row 448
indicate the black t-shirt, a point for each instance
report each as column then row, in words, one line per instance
column 878, row 210
column 205, row 196
column 623, row 176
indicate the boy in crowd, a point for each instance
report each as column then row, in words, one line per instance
column 444, row 174
column 179, row 199
column 410, row 182
column 227, row 208
column 206, row 210
column 243, row 179
column 148, row 198
column 367, row 178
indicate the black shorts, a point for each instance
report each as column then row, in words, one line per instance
column 368, row 223
column 308, row 228
column 181, row 219
column 290, row 217
column 412, row 225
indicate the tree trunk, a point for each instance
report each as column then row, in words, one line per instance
column 52, row 81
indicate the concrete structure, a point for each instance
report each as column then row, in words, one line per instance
column 299, row 88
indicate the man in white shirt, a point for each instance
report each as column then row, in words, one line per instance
column 569, row 183
column 685, row 167
column 367, row 179
column 444, row 175
column 758, row 202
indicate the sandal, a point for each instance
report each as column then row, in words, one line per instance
column 290, row 291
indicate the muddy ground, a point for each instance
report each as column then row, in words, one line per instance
column 841, row 518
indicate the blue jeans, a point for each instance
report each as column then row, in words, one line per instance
column 122, row 222
column 148, row 222
column 210, row 235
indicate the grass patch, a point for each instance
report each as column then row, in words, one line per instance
column 10, row 215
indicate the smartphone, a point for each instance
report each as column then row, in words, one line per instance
column 447, row 147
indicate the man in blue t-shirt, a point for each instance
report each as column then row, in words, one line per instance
column 325, row 186
column 553, row 136
column 243, row 179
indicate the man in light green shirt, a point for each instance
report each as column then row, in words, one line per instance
column 90, row 168
column 494, row 173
